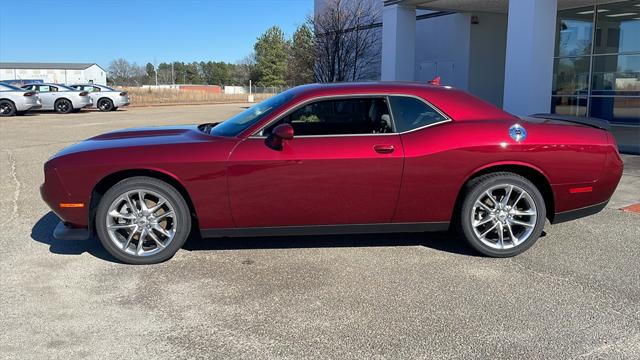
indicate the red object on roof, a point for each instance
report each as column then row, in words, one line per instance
column 435, row 81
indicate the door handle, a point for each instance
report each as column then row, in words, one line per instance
column 383, row 149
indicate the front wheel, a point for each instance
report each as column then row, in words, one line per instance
column 502, row 215
column 142, row 220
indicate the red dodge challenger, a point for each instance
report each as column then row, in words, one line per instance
column 338, row 158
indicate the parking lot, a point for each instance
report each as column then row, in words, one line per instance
column 576, row 294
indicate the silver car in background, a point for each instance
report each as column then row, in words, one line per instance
column 16, row 101
column 60, row 98
column 104, row 97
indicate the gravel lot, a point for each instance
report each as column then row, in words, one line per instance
column 576, row 294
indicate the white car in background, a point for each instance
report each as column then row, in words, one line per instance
column 60, row 98
column 104, row 97
column 16, row 101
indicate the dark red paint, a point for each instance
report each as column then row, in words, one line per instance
column 410, row 177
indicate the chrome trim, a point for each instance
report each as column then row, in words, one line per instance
column 258, row 133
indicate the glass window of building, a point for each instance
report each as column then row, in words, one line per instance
column 597, row 63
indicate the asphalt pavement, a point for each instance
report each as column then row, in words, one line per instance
column 574, row 295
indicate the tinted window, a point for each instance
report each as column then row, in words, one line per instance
column 411, row 113
column 10, row 87
column 340, row 117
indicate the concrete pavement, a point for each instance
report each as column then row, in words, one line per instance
column 575, row 294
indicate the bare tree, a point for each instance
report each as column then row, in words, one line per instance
column 245, row 69
column 347, row 41
column 122, row 72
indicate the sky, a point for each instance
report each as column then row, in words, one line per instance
column 140, row 31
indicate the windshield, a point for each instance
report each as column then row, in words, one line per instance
column 244, row 120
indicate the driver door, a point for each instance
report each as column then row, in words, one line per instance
column 343, row 166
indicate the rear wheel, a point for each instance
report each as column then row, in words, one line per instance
column 142, row 220
column 502, row 215
column 7, row 108
column 105, row 104
column 63, row 106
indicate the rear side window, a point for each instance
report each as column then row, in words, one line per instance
column 410, row 113
column 345, row 116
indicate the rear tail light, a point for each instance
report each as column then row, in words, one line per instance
column 84, row 93
column 124, row 93
column 29, row 93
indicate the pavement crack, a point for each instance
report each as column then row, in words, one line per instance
column 16, row 191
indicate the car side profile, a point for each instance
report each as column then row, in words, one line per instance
column 60, row 98
column 335, row 159
column 104, row 98
column 16, row 101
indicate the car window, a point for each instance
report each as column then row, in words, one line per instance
column 10, row 87
column 45, row 88
column 339, row 117
column 244, row 120
column 410, row 113
column 92, row 89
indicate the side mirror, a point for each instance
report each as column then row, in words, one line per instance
column 284, row 131
column 278, row 135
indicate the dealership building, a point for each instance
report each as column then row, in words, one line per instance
column 577, row 57
column 59, row 73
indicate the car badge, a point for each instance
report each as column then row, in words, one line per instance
column 517, row 132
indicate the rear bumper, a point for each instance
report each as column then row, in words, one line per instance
column 64, row 232
column 121, row 101
column 82, row 103
column 578, row 213
column 28, row 104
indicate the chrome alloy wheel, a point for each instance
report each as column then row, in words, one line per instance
column 141, row 222
column 504, row 216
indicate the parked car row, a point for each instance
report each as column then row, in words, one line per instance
column 59, row 98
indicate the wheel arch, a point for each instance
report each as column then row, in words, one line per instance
column 103, row 98
column 110, row 180
column 62, row 98
column 528, row 171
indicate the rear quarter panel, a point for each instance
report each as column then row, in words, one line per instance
column 440, row 159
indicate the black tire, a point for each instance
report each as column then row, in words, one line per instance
column 63, row 106
column 475, row 189
column 7, row 108
column 172, row 196
column 105, row 104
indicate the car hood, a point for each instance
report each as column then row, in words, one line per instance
column 142, row 137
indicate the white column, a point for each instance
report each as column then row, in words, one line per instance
column 529, row 57
column 398, row 42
